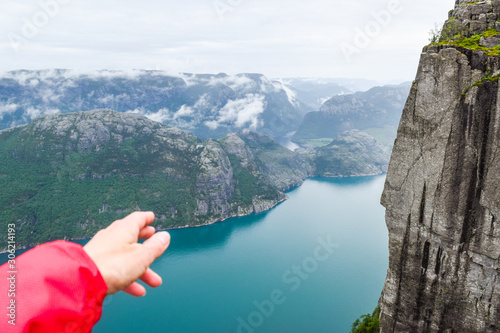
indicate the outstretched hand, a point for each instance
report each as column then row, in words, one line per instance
column 122, row 260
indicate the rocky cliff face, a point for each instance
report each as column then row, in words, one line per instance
column 66, row 176
column 442, row 190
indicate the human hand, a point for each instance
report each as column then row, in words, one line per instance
column 121, row 260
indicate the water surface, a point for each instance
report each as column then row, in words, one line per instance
column 260, row 273
column 270, row 272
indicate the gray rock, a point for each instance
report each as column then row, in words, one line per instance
column 489, row 41
column 441, row 195
column 354, row 153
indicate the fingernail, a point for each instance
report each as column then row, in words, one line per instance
column 164, row 237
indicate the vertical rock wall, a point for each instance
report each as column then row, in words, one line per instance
column 442, row 194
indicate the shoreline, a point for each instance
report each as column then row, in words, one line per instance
column 3, row 251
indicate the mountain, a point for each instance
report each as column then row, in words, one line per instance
column 376, row 111
column 208, row 105
column 313, row 92
column 356, row 84
column 68, row 175
column 442, row 189
column 354, row 153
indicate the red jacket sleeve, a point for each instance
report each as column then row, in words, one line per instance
column 57, row 288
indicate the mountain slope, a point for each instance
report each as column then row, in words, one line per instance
column 353, row 153
column 67, row 176
column 441, row 194
column 314, row 92
column 379, row 107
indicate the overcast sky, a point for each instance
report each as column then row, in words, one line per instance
column 292, row 38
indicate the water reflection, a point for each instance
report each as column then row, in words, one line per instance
column 217, row 235
column 347, row 181
column 188, row 240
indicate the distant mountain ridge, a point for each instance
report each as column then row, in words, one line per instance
column 209, row 105
column 313, row 92
column 378, row 109
column 68, row 175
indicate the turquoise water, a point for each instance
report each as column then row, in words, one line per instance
column 273, row 272
column 215, row 274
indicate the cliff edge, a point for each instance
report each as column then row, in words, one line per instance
column 442, row 194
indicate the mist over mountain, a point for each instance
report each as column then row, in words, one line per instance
column 208, row 105
column 313, row 92
column 376, row 111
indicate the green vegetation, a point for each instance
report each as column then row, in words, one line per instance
column 488, row 78
column 451, row 34
column 471, row 42
column 354, row 153
column 52, row 193
column 249, row 186
column 367, row 323
column 55, row 186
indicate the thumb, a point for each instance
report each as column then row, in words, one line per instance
column 156, row 245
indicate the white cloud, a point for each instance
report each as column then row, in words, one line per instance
column 241, row 112
column 268, row 86
column 189, row 79
column 109, row 99
column 48, row 96
column 277, row 38
column 33, row 112
column 184, row 111
column 201, row 102
column 34, row 82
column 236, row 82
column 7, row 108
column 292, row 96
column 212, row 124
column 160, row 116
column 139, row 110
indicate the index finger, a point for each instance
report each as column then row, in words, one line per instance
column 137, row 221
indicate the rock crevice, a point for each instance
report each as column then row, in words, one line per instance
column 442, row 191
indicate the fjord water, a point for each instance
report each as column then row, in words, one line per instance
column 223, row 277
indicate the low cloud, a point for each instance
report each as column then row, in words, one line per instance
column 241, row 112
column 235, row 82
column 202, row 102
column 7, row 108
column 184, row 111
column 32, row 112
column 160, row 116
column 110, row 99
column 292, row 96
